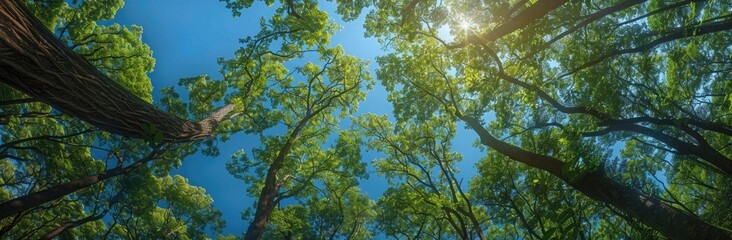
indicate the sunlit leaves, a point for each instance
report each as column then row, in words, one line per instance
column 426, row 197
column 299, row 87
column 630, row 63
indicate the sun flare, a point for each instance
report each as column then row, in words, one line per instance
column 466, row 24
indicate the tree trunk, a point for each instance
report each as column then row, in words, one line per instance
column 20, row 204
column 703, row 150
column 69, row 225
column 270, row 191
column 35, row 62
column 669, row 221
column 268, row 198
column 265, row 205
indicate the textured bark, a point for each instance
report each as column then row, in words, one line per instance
column 669, row 221
column 20, row 204
column 35, row 62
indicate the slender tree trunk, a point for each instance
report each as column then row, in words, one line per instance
column 69, row 225
column 681, row 33
column 20, row 204
column 594, row 17
column 265, row 204
column 35, row 62
column 703, row 150
column 669, row 221
column 271, row 189
column 268, row 198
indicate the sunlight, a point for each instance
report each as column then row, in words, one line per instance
column 466, row 24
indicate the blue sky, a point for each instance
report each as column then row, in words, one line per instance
column 187, row 36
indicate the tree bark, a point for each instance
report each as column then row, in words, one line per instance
column 20, row 204
column 669, row 221
column 270, row 195
column 271, row 189
column 35, row 62
column 266, row 202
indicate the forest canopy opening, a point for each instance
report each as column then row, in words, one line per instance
column 531, row 120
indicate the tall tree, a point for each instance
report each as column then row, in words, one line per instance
column 38, row 64
column 337, row 210
column 308, row 100
column 63, row 177
column 426, row 196
column 532, row 83
column 525, row 202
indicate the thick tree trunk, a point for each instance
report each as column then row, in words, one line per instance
column 536, row 11
column 34, row 61
column 669, row 221
column 20, row 204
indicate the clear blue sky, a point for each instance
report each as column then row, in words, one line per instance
column 187, row 36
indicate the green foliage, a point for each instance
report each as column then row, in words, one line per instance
column 115, row 50
column 171, row 209
column 425, row 198
column 337, row 213
column 640, row 95
column 523, row 85
column 43, row 148
column 293, row 88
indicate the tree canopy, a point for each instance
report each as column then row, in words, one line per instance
column 592, row 120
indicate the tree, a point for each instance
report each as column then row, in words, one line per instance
column 425, row 197
column 36, row 199
column 550, row 85
column 532, row 204
column 36, row 63
column 598, row 119
column 306, row 103
column 63, row 177
column 335, row 211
